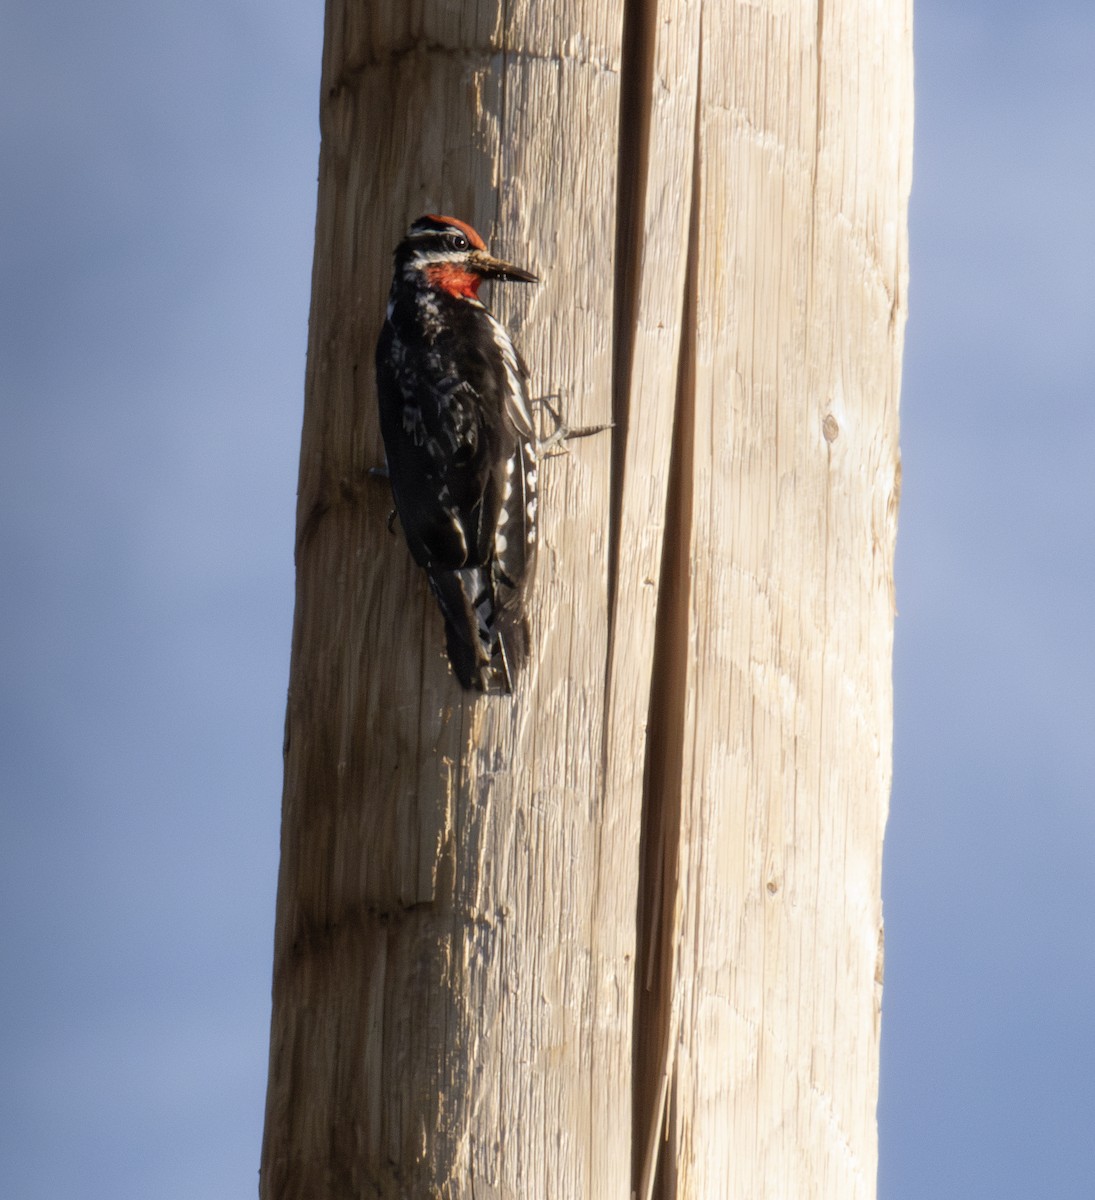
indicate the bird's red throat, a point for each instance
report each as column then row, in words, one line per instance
column 454, row 279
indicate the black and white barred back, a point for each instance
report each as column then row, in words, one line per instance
column 461, row 447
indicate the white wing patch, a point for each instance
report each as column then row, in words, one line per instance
column 515, row 386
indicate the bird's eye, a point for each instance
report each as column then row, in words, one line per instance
column 459, row 242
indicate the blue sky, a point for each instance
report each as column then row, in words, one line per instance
column 989, row 1008
column 156, row 237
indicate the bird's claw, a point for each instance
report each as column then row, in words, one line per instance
column 555, row 443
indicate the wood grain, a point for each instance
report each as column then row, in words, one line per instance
column 619, row 932
column 801, row 282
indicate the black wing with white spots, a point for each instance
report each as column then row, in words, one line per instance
column 460, row 448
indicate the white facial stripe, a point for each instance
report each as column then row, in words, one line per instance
column 426, row 258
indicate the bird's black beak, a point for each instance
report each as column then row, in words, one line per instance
column 496, row 268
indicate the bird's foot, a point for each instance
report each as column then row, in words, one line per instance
column 555, row 443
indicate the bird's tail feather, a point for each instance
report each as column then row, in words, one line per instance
column 486, row 637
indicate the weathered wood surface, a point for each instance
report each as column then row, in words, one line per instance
column 801, row 279
column 715, row 197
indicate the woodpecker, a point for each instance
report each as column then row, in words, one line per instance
column 461, row 445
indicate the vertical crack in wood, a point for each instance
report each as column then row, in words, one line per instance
column 636, row 80
column 653, row 1172
column 503, row 117
column 818, row 115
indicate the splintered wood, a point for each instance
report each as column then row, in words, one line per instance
column 619, row 933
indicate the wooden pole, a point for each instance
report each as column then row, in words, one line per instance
column 804, row 151
column 618, row 932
